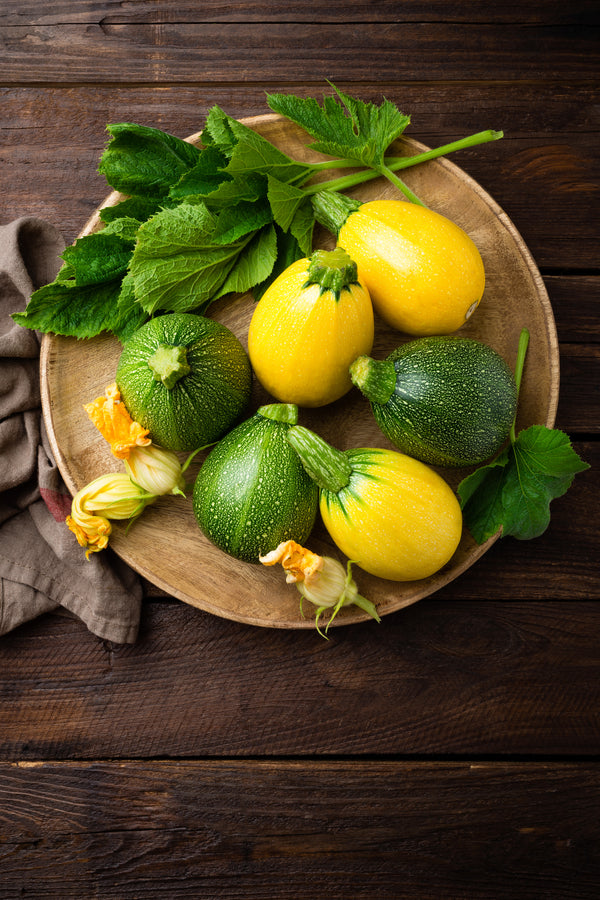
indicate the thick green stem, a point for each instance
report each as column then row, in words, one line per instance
column 375, row 378
column 328, row 467
column 280, row 412
column 168, row 364
column 332, row 270
column 519, row 364
column 404, row 188
column 395, row 163
column 332, row 209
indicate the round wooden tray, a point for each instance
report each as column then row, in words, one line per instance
column 165, row 545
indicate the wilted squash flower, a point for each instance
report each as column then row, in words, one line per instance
column 112, row 496
column 156, row 470
column 321, row 579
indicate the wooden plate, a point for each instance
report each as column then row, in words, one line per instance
column 165, row 545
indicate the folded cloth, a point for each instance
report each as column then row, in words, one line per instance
column 42, row 566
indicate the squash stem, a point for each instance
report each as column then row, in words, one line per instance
column 519, row 364
column 332, row 209
column 404, row 188
column 375, row 378
column 168, row 364
column 332, row 270
column 287, row 413
column 345, row 182
column 328, row 467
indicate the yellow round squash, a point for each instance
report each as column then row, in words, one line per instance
column 392, row 515
column 308, row 327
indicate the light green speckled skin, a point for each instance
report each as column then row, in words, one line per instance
column 252, row 491
column 203, row 404
column 454, row 401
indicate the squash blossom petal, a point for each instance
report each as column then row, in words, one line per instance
column 109, row 415
column 299, row 563
column 320, row 579
column 111, row 496
column 156, row 470
column 92, row 532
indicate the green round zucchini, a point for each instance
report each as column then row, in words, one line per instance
column 185, row 378
column 446, row 401
column 252, row 491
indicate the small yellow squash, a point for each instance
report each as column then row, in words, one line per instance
column 392, row 515
column 309, row 325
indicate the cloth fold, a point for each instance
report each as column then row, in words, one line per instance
column 42, row 566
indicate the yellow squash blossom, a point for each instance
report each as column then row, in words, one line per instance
column 114, row 423
column 156, row 470
column 111, row 496
column 320, row 579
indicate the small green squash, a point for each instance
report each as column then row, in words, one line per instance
column 446, row 401
column 185, row 378
column 252, row 491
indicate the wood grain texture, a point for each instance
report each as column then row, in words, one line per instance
column 391, row 830
column 545, row 173
column 188, row 52
column 57, row 12
column 388, row 762
column 440, row 678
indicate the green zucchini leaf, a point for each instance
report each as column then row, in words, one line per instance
column 236, row 222
column 254, row 154
column 139, row 208
column 284, row 199
column 515, row 490
column 131, row 314
column 293, row 211
column 288, row 251
column 204, row 178
column 218, row 131
column 253, row 264
column 177, row 265
column 80, row 311
column 145, row 161
column 350, row 129
column 303, row 225
column 102, row 256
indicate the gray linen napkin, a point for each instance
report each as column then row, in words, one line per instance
column 42, row 566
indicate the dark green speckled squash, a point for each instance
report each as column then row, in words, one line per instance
column 252, row 491
column 446, row 401
column 185, row 378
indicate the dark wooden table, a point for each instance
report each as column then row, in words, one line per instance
column 450, row 752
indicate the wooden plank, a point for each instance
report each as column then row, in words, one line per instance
column 57, row 12
column 52, row 140
column 437, row 678
column 575, row 300
column 205, row 53
column 389, row 830
column 579, row 402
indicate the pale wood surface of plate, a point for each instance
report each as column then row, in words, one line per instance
column 165, row 545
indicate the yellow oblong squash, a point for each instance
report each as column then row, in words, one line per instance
column 425, row 275
column 308, row 327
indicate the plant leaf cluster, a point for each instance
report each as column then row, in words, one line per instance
column 197, row 223
column 514, row 491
